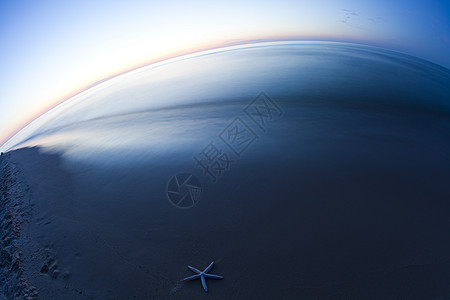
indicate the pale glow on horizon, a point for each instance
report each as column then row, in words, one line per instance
column 52, row 50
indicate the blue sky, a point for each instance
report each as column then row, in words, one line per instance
column 52, row 49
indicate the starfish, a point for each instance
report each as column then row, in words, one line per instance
column 202, row 275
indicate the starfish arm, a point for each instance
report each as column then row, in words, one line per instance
column 208, row 267
column 204, row 283
column 213, row 276
column 192, row 277
column 194, row 270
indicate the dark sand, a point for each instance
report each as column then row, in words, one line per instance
column 361, row 215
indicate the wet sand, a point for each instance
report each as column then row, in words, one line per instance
column 343, row 231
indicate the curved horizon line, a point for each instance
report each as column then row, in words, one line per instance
column 186, row 54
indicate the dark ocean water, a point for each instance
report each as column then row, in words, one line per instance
column 335, row 181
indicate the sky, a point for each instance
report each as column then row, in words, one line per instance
column 51, row 50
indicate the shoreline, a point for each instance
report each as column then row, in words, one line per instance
column 33, row 187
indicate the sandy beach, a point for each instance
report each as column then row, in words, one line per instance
column 97, row 235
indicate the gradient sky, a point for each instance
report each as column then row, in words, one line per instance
column 53, row 49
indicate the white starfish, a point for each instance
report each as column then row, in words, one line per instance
column 202, row 275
